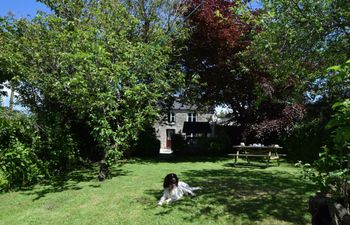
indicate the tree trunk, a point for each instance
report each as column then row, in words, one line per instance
column 104, row 168
column 12, row 94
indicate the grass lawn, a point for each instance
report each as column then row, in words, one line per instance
column 230, row 195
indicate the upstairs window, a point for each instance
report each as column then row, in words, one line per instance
column 192, row 117
column 171, row 117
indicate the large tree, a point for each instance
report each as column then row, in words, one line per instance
column 8, row 65
column 218, row 56
column 301, row 39
column 298, row 41
column 86, row 67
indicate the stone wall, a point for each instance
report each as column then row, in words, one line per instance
column 181, row 116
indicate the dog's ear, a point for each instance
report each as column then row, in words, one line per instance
column 166, row 181
column 176, row 178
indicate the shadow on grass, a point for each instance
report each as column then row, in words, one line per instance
column 170, row 158
column 253, row 195
column 69, row 181
column 247, row 165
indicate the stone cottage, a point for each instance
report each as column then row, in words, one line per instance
column 185, row 120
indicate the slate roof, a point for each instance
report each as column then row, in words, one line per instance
column 178, row 105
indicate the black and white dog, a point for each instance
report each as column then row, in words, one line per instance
column 175, row 189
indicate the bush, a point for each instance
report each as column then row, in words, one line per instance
column 147, row 144
column 14, row 125
column 331, row 171
column 57, row 147
column 203, row 146
column 306, row 140
column 19, row 165
column 212, row 146
column 179, row 145
column 4, row 183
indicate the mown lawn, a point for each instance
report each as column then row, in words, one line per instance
column 230, row 195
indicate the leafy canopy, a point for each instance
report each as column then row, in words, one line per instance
column 85, row 65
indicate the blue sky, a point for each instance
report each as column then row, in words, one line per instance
column 255, row 4
column 21, row 8
column 25, row 8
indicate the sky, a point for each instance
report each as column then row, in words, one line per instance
column 21, row 8
column 254, row 4
column 25, row 8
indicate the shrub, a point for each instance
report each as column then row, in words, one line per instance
column 306, row 140
column 14, row 125
column 147, row 144
column 19, row 165
column 204, row 146
column 4, row 183
column 57, row 147
column 331, row 171
column 179, row 145
column 212, row 146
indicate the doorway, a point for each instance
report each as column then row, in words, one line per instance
column 169, row 134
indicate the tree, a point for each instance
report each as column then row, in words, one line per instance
column 299, row 40
column 218, row 55
column 8, row 61
column 331, row 171
column 216, row 38
column 155, row 14
column 85, row 67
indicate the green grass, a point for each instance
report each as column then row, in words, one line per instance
column 230, row 195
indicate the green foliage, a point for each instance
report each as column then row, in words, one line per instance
column 298, row 41
column 19, row 164
column 14, row 126
column 86, row 65
column 337, row 82
column 295, row 44
column 8, row 58
column 147, row 143
column 178, row 145
column 306, row 139
column 301, row 38
column 212, row 146
column 4, row 183
column 56, row 147
column 203, row 146
column 331, row 171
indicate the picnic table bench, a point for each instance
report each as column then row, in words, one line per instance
column 265, row 152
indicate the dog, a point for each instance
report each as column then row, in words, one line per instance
column 175, row 189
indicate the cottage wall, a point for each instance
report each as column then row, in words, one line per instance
column 180, row 117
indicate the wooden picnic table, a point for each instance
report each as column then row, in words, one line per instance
column 266, row 152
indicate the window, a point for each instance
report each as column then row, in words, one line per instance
column 192, row 117
column 171, row 117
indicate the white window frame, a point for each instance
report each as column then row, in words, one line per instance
column 192, row 117
column 171, row 117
